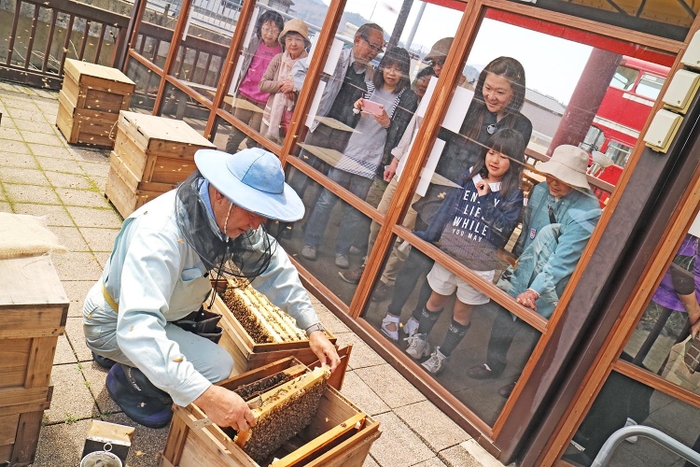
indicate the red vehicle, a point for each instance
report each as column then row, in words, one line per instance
column 623, row 112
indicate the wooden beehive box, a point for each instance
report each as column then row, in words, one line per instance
column 89, row 102
column 33, row 311
column 189, row 445
column 151, row 155
column 247, row 354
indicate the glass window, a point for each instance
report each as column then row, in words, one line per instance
column 624, row 402
column 510, row 231
column 155, row 32
column 624, row 78
column 262, row 95
column 364, row 105
column 618, row 153
column 147, row 83
column 650, row 86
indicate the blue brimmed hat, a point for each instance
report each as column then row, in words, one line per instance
column 252, row 179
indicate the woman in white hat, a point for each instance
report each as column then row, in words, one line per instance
column 159, row 272
column 278, row 79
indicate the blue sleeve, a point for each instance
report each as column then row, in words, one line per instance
column 443, row 215
column 299, row 70
column 503, row 218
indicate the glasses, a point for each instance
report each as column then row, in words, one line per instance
column 375, row 48
column 273, row 31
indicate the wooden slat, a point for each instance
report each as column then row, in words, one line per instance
column 45, row 322
column 18, row 397
column 177, row 435
column 40, row 362
column 14, row 355
column 8, row 428
column 27, row 438
column 32, row 34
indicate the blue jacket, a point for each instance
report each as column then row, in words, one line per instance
column 498, row 213
column 549, row 251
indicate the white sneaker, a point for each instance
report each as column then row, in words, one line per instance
column 418, row 346
column 436, row 363
column 631, row 439
column 411, row 326
column 389, row 319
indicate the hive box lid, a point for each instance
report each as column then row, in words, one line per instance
column 162, row 128
column 76, row 69
column 30, row 281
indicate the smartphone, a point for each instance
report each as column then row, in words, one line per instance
column 372, row 107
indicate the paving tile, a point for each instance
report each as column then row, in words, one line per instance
column 93, row 217
column 10, row 133
column 100, row 239
column 76, row 292
column 476, row 451
column 44, row 127
column 64, row 352
column 388, row 384
column 362, row 354
column 14, row 147
column 370, row 462
column 102, row 257
column 86, row 155
column 5, row 206
column 96, row 169
column 457, row 456
column 77, row 266
column 18, row 100
column 100, row 183
column 51, row 151
column 432, row 425
column 31, row 136
column 71, row 397
column 362, row 395
column 60, row 165
column 398, row 446
column 2, row 194
column 31, row 194
column 30, row 114
column 146, row 444
column 56, row 215
column 61, row 444
column 329, row 320
column 25, row 161
column 76, row 337
column 432, row 462
column 23, row 176
column 85, row 198
column 95, row 375
column 69, row 180
column 71, row 238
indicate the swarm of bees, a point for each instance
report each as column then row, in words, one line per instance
column 263, row 321
column 284, row 412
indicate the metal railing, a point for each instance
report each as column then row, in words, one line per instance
column 606, row 452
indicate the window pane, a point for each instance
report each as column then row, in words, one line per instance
column 624, row 401
column 147, row 84
column 650, row 86
column 662, row 342
column 155, row 31
column 624, row 78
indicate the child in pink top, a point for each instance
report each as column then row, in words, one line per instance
column 256, row 58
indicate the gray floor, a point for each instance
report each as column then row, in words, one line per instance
column 41, row 175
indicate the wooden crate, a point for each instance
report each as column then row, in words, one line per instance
column 89, row 102
column 33, row 311
column 188, row 445
column 247, row 354
column 151, row 156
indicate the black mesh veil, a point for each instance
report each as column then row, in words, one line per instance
column 247, row 255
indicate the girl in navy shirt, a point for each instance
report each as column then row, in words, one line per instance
column 471, row 225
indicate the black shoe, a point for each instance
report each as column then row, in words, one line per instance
column 138, row 398
column 481, row 372
column 103, row 362
column 506, row 390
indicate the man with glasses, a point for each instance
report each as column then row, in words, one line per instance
column 558, row 221
column 343, row 88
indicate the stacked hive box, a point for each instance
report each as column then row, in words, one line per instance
column 256, row 332
column 338, row 435
column 89, row 102
column 33, row 310
column 151, row 156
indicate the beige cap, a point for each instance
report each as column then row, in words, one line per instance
column 439, row 50
column 298, row 26
column 568, row 164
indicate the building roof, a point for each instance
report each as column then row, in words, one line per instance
column 544, row 101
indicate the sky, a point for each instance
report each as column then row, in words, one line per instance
column 554, row 73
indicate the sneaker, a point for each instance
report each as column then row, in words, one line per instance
column 436, row 363
column 341, row 261
column 390, row 320
column 309, row 252
column 352, row 277
column 380, row 292
column 631, row 439
column 356, row 251
column 411, row 326
column 418, row 346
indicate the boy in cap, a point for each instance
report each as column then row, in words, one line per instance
column 158, row 273
column 558, row 221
